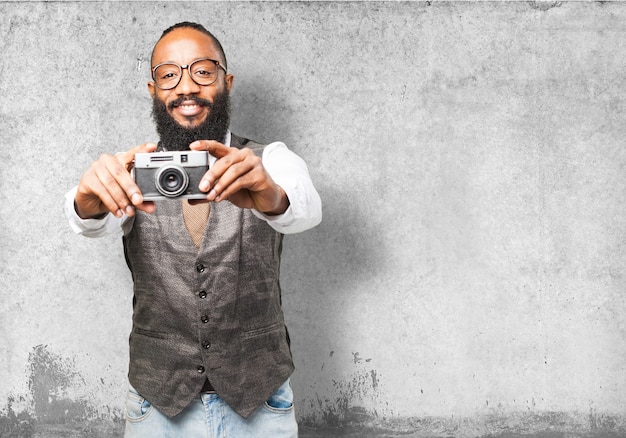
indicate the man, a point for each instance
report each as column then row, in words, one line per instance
column 209, row 350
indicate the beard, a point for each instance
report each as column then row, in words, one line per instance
column 174, row 137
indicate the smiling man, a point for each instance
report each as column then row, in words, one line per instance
column 190, row 108
column 209, row 350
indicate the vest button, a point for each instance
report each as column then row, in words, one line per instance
column 206, row 345
column 204, row 319
column 202, row 294
column 200, row 267
column 200, row 369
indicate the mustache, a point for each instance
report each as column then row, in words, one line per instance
column 200, row 101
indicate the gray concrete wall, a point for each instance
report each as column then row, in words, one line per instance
column 468, row 278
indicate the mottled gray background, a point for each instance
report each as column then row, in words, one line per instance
column 468, row 277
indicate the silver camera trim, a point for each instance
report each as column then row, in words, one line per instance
column 150, row 160
column 168, row 193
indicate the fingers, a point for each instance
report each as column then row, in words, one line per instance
column 234, row 180
column 120, row 186
column 127, row 158
column 147, row 206
column 108, row 186
column 215, row 148
column 238, row 170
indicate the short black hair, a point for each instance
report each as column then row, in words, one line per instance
column 200, row 28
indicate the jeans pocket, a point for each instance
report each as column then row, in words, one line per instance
column 137, row 407
column 282, row 400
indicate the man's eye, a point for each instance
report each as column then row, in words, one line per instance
column 166, row 72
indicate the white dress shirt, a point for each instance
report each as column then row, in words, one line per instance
column 287, row 170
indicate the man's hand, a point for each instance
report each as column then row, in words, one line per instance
column 107, row 186
column 239, row 176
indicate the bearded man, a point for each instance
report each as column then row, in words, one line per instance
column 209, row 350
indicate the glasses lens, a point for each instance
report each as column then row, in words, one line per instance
column 204, row 71
column 167, row 76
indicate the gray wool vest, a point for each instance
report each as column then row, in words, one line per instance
column 213, row 312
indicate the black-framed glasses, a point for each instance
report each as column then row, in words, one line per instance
column 202, row 71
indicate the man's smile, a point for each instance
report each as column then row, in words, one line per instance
column 189, row 108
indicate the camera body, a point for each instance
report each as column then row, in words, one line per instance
column 167, row 175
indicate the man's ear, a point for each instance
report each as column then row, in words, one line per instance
column 230, row 79
column 151, row 89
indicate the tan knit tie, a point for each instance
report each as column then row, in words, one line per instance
column 195, row 217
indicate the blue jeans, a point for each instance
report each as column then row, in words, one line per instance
column 208, row 416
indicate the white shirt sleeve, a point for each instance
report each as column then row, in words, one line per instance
column 93, row 227
column 290, row 172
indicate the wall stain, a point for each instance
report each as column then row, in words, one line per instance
column 374, row 379
column 357, row 407
column 56, row 404
column 511, row 425
column 544, row 5
column 15, row 425
column 348, row 400
column 52, row 379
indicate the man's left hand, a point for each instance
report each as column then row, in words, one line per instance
column 238, row 176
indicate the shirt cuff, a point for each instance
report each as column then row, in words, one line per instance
column 303, row 212
column 89, row 227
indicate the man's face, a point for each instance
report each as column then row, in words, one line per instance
column 187, row 102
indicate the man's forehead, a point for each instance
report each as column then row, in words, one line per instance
column 184, row 43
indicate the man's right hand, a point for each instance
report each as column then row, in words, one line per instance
column 107, row 186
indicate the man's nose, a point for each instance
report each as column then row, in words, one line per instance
column 187, row 85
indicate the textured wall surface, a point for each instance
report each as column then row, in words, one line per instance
column 468, row 277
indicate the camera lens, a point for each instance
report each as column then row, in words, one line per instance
column 171, row 181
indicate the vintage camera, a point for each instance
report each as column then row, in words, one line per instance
column 166, row 175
